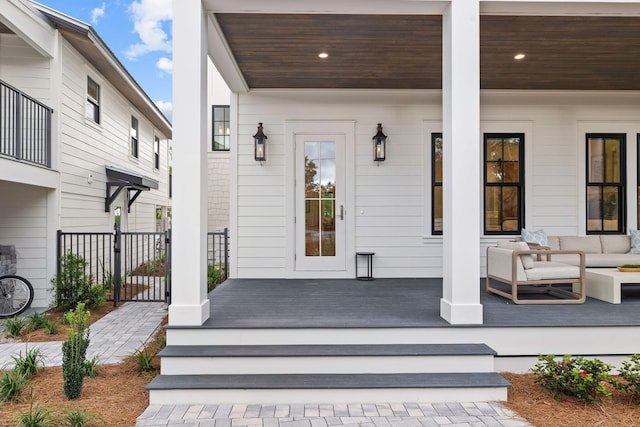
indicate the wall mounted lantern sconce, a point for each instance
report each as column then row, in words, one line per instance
column 259, row 145
column 379, row 145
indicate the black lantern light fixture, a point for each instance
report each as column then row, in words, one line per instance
column 379, row 145
column 259, row 145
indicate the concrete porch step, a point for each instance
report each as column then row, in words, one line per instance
column 327, row 388
column 328, row 359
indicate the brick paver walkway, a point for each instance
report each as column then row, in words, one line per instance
column 115, row 336
column 366, row 415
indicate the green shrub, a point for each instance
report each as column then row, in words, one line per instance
column 144, row 359
column 630, row 375
column 92, row 366
column 29, row 364
column 215, row 276
column 36, row 417
column 73, row 285
column 78, row 418
column 74, row 350
column 15, row 325
column 36, row 321
column 11, row 385
column 51, row 327
column 576, row 377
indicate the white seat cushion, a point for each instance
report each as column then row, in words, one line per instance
column 550, row 270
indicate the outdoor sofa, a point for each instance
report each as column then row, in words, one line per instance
column 527, row 271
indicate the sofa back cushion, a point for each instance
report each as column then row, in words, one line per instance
column 553, row 243
column 615, row 244
column 587, row 244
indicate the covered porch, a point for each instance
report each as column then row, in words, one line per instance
column 344, row 340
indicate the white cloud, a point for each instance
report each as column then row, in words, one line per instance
column 148, row 16
column 165, row 64
column 98, row 12
column 166, row 107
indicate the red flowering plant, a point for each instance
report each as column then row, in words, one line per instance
column 577, row 377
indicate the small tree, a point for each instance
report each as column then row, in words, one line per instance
column 74, row 350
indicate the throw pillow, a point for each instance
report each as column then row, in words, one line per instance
column 539, row 236
column 527, row 260
column 635, row 242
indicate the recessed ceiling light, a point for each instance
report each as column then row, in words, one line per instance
column 519, row 56
column 323, row 55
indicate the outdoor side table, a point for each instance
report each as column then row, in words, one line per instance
column 369, row 259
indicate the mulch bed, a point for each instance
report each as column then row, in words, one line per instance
column 116, row 396
column 538, row 406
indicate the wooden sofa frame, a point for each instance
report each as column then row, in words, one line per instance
column 546, row 285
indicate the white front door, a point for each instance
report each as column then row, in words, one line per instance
column 320, row 202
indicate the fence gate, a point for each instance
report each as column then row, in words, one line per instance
column 136, row 266
column 132, row 266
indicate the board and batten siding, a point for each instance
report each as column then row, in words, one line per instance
column 393, row 200
column 86, row 148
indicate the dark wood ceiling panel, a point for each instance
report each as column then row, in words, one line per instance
column 569, row 53
column 366, row 51
column 405, row 51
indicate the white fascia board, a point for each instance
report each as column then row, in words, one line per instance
column 29, row 24
column 375, row 7
column 561, row 8
column 222, row 59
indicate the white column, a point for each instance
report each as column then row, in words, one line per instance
column 189, row 302
column 460, row 303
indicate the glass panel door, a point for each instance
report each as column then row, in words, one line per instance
column 320, row 203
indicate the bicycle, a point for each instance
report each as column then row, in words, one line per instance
column 16, row 295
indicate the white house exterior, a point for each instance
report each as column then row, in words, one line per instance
column 552, row 109
column 96, row 107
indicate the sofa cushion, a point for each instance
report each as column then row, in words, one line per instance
column 615, row 243
column 587, row 244
column 527, row 260
column 538, row 236
column 635, row 241
column 610, row 260
column 552, row 270
column 553, row 242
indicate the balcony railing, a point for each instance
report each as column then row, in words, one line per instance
column 25, row 127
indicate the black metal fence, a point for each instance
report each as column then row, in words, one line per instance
column 218, row 253
column 135, row 266
column 25, row 127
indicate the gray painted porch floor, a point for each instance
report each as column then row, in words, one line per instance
column 388, row 303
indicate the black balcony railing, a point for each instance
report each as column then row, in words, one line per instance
column 25, row 127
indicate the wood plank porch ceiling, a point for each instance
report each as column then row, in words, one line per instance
column 405, row 51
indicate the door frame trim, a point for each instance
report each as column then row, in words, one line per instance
column 346, row 128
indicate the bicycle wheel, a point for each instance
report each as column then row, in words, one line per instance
column 16, row 295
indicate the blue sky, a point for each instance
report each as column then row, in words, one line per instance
column 138, row 32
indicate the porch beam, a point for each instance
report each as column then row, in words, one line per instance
column 460, row 303
column 189, row 302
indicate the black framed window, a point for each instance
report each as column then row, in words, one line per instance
column 606, row 177
column 156, row 152
column 436, row 183
column 134, row 137
column 221, row 128
column 92, row 109
column 503, row 183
